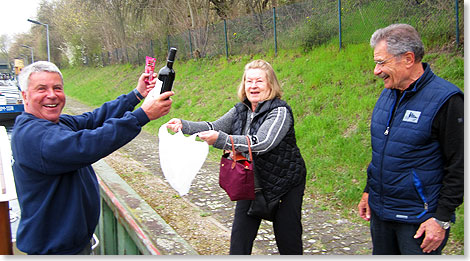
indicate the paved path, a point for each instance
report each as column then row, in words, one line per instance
column 324, row 232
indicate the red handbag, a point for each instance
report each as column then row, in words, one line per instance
column 236, row 175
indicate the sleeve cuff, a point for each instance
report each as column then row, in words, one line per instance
column 221, row 141
column 137, row 93
column 442, row 214
column 141, row 116
column 185, row 129
column 132, row 98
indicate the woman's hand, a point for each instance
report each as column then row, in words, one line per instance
column 174, row 124
column 209, row 136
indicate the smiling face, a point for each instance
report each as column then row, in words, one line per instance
column 390, row 68
column 45, row 97
column 256, row 86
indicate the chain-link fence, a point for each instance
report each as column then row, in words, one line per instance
column 305, row 25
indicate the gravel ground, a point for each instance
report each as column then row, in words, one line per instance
column 204, row 216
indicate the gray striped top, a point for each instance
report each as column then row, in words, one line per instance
column 269, row 135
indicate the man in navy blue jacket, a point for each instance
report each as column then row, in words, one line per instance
column 415, row 180
column 57, row 188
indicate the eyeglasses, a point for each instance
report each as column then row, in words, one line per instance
column 253, row 82
column 381, row 63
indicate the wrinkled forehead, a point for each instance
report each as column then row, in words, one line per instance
column 255, row 73
column 380, row 50
column 45, row 78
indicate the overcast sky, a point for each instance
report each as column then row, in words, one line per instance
column 14, row 15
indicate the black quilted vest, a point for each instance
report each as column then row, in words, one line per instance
column 281, row 168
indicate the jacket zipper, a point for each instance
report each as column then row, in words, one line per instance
column 391, row 115
column 386, row 133
column 419, row 187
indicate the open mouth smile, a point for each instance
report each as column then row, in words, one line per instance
column 384, row 76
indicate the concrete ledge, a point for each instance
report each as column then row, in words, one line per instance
column 151, row 234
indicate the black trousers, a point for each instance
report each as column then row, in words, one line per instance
column 394, row 238
column 86, row 250
column 287, row 225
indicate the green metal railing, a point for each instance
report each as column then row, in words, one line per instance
column 128, row 225
column 115, row 239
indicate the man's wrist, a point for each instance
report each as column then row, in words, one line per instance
column 443, row 224
column 139, row 96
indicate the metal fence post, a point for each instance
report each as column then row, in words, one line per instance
column 127, row 54
column 151, row 48
column 138, row 54
column 275, row 34
column 168, row 42
column 102, row 59
column 226, row 40
column 457, row 36
column 190, row 44
column 339, row 20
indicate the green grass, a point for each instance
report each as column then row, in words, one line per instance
column 331, row 92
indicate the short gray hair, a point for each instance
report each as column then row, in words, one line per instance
column 400, row 38
column 40, row 66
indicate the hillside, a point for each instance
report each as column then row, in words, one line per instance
column 331, row 92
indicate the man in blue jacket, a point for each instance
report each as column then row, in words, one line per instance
column 57, row 188
column 415, row 180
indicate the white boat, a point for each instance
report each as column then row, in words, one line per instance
column 11, row 102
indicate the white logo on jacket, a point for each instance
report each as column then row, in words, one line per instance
column 411, row 116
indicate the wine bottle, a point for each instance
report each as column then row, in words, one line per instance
column 166, row 74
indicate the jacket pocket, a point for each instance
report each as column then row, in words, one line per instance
column 420, row 189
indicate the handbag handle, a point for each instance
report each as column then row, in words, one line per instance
column 233, row 150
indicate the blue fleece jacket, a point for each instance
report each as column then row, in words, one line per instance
column 57, row 188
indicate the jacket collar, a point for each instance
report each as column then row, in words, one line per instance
column 261, row 104
column 423, row 80
column 418, row 84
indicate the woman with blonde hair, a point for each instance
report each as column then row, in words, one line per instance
column 279, row 168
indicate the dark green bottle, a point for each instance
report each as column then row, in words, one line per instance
column 167, row 74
